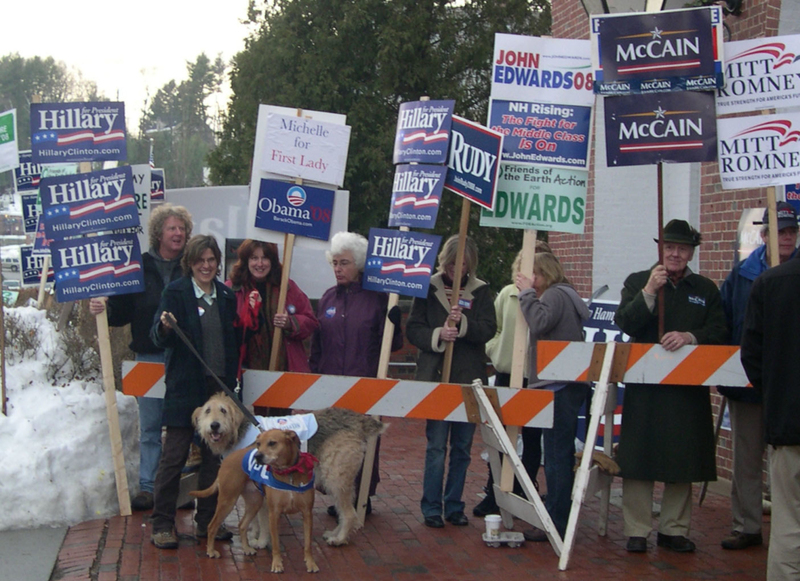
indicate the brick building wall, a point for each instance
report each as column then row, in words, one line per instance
column 720, row 209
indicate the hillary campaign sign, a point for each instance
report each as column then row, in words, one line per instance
column 416, row 194
column 657, row 52
column 310, row 149
column 760, row 73
column 542, row 70
column 30, row 210
column 9, row 152
column 63, row 132
column 157, row 186
column 97, row 266
column 294, row 209
column 646, row 129
column 423, row 132
column 32, row 266
column 759, row 151
column 543, row 134
column 473, row 162
column 539, row 198
column 400, row 262
column 27, row 175
column 89, row 202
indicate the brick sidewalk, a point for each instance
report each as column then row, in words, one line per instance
column 395, row 545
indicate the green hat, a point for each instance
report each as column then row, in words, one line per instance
column 680, row 232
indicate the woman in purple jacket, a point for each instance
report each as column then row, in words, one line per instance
column 351, row 321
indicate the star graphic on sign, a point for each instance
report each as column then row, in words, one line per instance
column 660, row 112
column 656, row 32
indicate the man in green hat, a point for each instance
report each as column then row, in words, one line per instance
column 667, row 430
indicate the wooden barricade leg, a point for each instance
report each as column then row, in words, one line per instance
column 530, row 510
column 604, row 480
column 582, row 476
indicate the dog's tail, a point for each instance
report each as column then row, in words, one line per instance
column 373, row 426
column 207, row 492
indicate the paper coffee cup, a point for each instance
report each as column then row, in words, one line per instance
column 493, row 525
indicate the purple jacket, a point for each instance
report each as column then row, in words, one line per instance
column 348, row 340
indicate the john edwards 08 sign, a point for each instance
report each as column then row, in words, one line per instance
column 539, row 198
column 673, row 127
column 416, row 194
column 97, row 266
column 675, row 50
column 423, row 132
column 84, row 203
column 300, row 210
column 400, row 262
column 63, row 132
column 473, row 162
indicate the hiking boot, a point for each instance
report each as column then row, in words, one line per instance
column 223, row 533
column 739, row 540
column 142, row 501
column 164, row 539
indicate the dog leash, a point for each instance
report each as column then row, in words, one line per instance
column 224, row 387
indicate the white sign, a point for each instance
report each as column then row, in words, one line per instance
column 9, row 152
column 759, row 151
column 141, row 191
column 305, row 147
column 761, row 73
column 542, row 70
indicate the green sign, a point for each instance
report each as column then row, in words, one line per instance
column 539, row 198
column 9, row 154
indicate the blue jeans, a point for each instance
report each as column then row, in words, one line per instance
column 150, row 409
column 559, row 452
column 437, row 432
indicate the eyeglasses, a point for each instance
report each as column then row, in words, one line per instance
column 342, row 263
column 202, row 261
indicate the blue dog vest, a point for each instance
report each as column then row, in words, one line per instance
column 263, row 476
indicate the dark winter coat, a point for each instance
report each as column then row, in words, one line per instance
column 667, row 430
column 478, row 325
column 770, row 347
column 185, row 375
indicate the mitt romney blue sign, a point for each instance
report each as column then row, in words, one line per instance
column 416, row 194
column 473, row 162
column 647, row 129
column 400, row 262
column 90, row 202
column 64, row 132
column 97, row 266
column 423, row 132
column 294, row 209
column 675, row 50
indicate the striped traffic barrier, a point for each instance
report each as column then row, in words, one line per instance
column 385, row 397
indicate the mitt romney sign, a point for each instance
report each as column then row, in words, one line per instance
column 63, row 132
column 400, row 262
column 294, row 209
column 473, row 162
column 675, row 50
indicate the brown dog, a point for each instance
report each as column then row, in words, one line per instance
column 280, row 450
column 339, row 444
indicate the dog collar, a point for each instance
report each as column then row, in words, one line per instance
column 262, row 475
column 304, row 465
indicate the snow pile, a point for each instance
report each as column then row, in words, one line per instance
column 56, row 467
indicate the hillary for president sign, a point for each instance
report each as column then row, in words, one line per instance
column 666, row 127
column 32, row 266
column 760, row 73
column 294, row 209
column 423, row 132
column 64, row 132
column 89, row 202
column 416, row 195
column 473, row 162
column 28, row 174
column 759, row 151
column 656, row 52
column 97, row 266
column 400, row 262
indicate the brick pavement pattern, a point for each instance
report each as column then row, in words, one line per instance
column 395, row 545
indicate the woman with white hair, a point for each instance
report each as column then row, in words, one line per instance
column 351, row 321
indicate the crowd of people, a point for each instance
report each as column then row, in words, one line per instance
column 667, row 433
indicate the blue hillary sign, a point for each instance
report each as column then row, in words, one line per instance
column 157, row 186
column 423, row 131
column 473, row 162
column 32, row 266
column 97, row 266
column 646, row 129
column 294, row 209
column 90, row 202
column 64, row 132
column 543, row 134
column 400, row 262
column 30, row 210
column 416, row 195
column 28, row 173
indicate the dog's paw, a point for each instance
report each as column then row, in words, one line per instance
column 213, row 554
column 333, row 539
column 311, row 566
column 259, row 543
column 248, row 550
column 277, row 566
